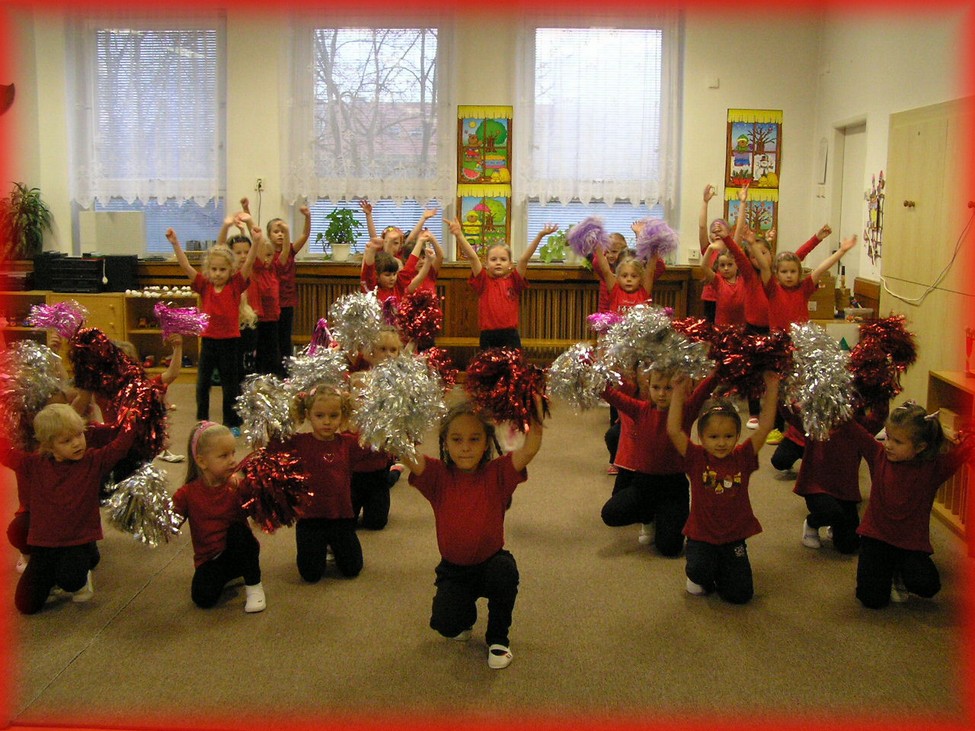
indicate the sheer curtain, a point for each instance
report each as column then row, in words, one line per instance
column 598, row 109
column 146, row 99
column 369, row 109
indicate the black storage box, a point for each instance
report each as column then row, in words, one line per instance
column 68, row 274
column 121, row 272
column 43, row 268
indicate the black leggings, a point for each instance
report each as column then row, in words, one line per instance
column 286, row 326
column 504, row 338
column 222, row 355
column 313, row 536
column 878, row 564
column 268, row 360
column 663, row 500
column 241, row 557
column 459, row 588
column 66, row 567
column 723, row 567
column 786, row 454
column 840, row 515
column 370, row 497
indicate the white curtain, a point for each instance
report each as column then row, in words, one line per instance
column 369, row 110
column 145, row 99
column 598, row 108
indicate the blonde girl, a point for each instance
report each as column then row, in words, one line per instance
column 220, row 287
column 224, row 546
column 632, row 282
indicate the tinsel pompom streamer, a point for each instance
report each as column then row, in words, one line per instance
column 142, row 507
column 587, row 236
column 390, row 310
column 819, row 380
column 420, row 318
column 400, row 402
column 502, row 385
column 264, row 406
column 579, row 378
column 679, row 353
column 357, row 320
column 321, row 338
column 601, row 322
column 99, row 365
column 30, row 373
column 893, row 338
column 440, row 361
column 742, row 358
column 639, row 336
column 180, row 320
column 147, row 400
column 328, row 365
column 656, row 238
column 696, row 328
column 65, row 318
column 272, row 488
column 875, row 376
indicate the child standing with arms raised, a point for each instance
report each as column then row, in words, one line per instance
column 498, row 286
column 470, row 493
column 632, row 281
column 721, row 516
column 224, row 547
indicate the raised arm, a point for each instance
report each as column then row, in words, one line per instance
column 803, row 251
column 172, row 370
column 547, row 230
column 703, row 234
column 224, row 230
column 601, row 266
column 829, row 261
column 366, row 207
column 770, row 404
column 181, row 259
column 675, row 414
column 427, row 214
column 742, row 214
column 258, row 241
column 299, row 244
column 469, row 253
column 533, row 441
column 706, row 267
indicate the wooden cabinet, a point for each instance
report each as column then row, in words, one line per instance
column 142, row 330
column 954, row 394
column 105, row 311
column 14, row 309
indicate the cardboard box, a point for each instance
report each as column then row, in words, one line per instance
column 823, row 302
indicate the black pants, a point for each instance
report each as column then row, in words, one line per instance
column 504, row 338
column 370, row 498
column 268, row 361
column 286, row 326
column 786, row 454
column 313, row 536
column 723, row 567
column 459, row 588
column 710, row 309
column 66, row 567
column 880, row 562
column 17, row 532
column 754, row 404
column 612, row 439
column 840, row 515
column 222, row 355
column 663, row 500
column 241, row 557
column 248, row 351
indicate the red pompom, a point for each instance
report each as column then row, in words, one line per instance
column 696, row 328
column 273, row 486
column 742, row 358
column 503, row 385
column 420, row 318
column 439, row 359
column 876, row 377
column 893, row 338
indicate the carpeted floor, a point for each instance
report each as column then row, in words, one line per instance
column 603, row 628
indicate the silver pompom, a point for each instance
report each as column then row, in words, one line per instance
column 327, row 365
column 639, row 336
column 819, row 381
column 356, row 320
column 679, row 353
column 400, row 402
column 30, row 373
column 579, row 378
column 264, row 406
column 142, row 507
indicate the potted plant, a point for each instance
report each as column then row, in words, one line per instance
column 554, row 248
column 340, row 234
column 23, row 219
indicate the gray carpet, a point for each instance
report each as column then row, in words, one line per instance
column 602, row 629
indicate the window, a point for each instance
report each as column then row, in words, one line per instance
column 368, row 113
column 384, row 213
column 148, row 131
column 599, row 123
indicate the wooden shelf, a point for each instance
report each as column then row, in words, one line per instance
column 954, row 391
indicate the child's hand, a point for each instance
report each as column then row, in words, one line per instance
column 171, row 237
column 376, row 243
column 245, row 205
column 636, row 227
column 771, row 378
column 743, row 193
column 848, row 243
column 305, row 211
column 229, row 221
column 365, row 206
column 429, row 213
column 454, row 226
column 708, row 192
column 244, row 217
column 548, row 229
column 824, row 232
column 770, row 236
column 174, row 340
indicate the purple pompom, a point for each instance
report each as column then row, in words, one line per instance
column 656, row 238
column 321, row 338
column 587, row 236
column 64, row 317
column 600, row 322
column 180, row 320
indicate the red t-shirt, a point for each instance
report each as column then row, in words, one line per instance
column 756, row 301
column 430, row 280
column 222, row 307
column 730, row 308
column 469, row 507
column 264, row 296
column 721, row 511
column 370, row 281
column 787, row 305
column 497, row 299
column 287, row 271
column 211, row 510
column 831, row 467
column 902, row 493
column 62, row 497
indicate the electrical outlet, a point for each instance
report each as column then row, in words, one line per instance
column 259, row 185
column 693, row 255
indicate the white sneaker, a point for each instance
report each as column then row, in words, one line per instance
column 462, row 636
column 810, row 536
column 647, row 534
column 752, row 423
column 695, row 589
column 21, row 563
column 829, row 533
column 898, row 592
column 255, row 598
column 499, row 657
column 168, row 456
column 84, row 593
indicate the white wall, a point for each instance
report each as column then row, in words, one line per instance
column 868, row 75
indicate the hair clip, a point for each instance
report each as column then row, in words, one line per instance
column 909, row 404
column 932, row 416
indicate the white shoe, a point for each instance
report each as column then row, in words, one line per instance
column 499, row 657
column 647, row 534
column 168, row 456
column 255, row 599
column 695, row 589
column 462, row 636
column 898, row 592
column 829, row 533
column 21, row 563
column 84, row 593
column 752, row 423
column 810, row 536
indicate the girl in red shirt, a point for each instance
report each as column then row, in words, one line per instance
column 906, row 470
column 470, row 493
column 284, row 265
column 631, row 283
column 728, row 287
column 387, row 275
column 224, row 546
column 721, row 516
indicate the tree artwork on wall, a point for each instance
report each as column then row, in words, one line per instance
column 483, row 144
column 485, row 220
column 754, row 148
column 873, row 230
column 763, row 210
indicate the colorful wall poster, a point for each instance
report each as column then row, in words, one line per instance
column 484, row 144
column 754, row 148
column 763, row 210
column 485, row 219
column 873, row 230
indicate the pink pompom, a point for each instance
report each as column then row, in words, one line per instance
column 180, row 320
column 321, row 338
column 656, row 238
column 600, row 322
column 65, row 318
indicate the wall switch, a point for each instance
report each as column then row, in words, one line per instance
column 693, row 255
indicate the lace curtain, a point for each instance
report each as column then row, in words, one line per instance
column 598, row 109
column 369, row 111
column 145, row 96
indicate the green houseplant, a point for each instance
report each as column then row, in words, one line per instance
column 342, row 229
column 554, row 248
column 23, row 219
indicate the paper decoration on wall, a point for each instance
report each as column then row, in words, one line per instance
column 763, row 209
column 873, row 230
column 486, row 219
column 484, row 144
column 754, row 148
